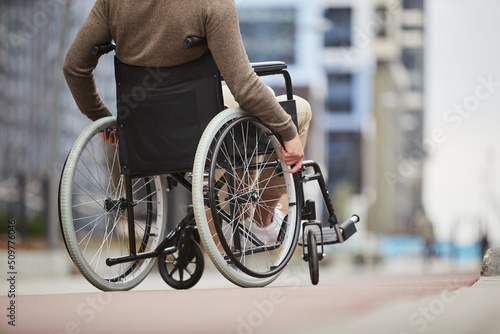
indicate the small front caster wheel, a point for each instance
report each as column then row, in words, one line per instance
column 182, row 269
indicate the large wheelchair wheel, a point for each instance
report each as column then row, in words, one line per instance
column 237, row 173
column 93, row 213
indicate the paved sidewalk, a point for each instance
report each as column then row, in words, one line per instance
column 398, row 296
column 357, row 302
column 468, row 310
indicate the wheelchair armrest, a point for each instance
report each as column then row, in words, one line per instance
column 269, row 67
column 272, row 68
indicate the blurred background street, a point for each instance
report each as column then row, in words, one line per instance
column 405, row 97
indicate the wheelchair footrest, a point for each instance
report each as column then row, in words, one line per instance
column 329, row 237
column 347, row 229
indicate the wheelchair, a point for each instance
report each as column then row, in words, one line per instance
column 113, row 197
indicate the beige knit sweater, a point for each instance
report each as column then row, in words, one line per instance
column 152, row 32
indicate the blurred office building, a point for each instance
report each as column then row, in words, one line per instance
column 39, row 121
column 395, row 154
column 315, row 38
column 360, row 64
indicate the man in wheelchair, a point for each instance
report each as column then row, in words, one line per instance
column 152, row 33
column 243, row 165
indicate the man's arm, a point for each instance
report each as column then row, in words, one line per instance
column 224, row 41
column 79, row 64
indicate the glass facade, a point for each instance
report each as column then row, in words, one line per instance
column 269, row 33
column 340, row 94
column 339, row 27
column 413, row 4
column 383, row 15
column 344, row 161
column 413, row 60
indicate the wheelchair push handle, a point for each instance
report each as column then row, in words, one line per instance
column 192, row 41
column 98, row 50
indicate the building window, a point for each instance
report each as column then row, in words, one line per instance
column 413, row 60
column 383, row 17
column 339, row 28
column 340, row 92
column 269, row 34
column 413, row 4
column 344, row 160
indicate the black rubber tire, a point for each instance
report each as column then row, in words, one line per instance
column 312, row 250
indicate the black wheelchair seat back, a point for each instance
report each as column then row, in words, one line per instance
column 162, row 113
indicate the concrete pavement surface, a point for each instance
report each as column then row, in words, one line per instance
column 393, row 297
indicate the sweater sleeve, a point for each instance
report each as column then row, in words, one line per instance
column 225, row 43
column 79, row 63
